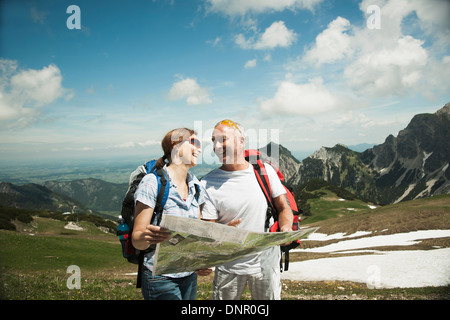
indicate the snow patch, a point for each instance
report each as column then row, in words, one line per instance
column 383, row 269
column 316, row 236
column 391, row 269
column 398, row 239
column 407, row 191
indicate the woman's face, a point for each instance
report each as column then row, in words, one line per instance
column 189, row 151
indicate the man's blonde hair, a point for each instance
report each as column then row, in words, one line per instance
column 232, row 124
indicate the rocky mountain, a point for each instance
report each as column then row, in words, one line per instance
column 341, row 167
column 282, row 158
column 413, row 165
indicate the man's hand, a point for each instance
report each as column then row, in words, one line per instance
column 286, row 229
column 234, row 223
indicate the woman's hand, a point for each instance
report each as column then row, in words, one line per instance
column 155, row 234
column 145, row 234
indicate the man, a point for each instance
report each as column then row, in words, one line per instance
column 234, row 197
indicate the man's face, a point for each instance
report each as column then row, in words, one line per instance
column 226, row 144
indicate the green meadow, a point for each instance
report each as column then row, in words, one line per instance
column 35, row 260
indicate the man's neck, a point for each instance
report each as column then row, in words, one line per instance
column 235, row 166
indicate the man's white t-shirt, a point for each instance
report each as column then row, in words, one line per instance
column 232, row 195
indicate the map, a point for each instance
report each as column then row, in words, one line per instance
column 197, row 244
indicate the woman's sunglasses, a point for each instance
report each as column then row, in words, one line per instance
column 195, row 142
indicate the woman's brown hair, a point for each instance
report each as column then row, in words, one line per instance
column 171, row 139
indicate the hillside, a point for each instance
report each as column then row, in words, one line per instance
column 421, row 214
column 35, row 197
column 95, row 194
column 321, row 200
column 17, row 219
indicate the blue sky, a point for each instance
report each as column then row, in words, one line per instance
column 306, row 73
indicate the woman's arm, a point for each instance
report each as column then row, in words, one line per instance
column 144, row 234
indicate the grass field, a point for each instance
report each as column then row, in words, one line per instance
column 329, row 205
column 422, row 214
column 35, row 259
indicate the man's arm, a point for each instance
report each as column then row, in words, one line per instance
column 285, row 215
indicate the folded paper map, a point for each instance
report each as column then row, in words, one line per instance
column 197, row 244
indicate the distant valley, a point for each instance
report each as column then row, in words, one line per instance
column 413, row 165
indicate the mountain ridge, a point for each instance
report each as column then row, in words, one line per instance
column 413, row 165
column 95, row 194
column 35, row 196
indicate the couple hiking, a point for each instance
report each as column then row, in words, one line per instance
column 230, row 195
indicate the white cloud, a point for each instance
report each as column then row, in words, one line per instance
column 190, row 90
column 149, row 143
column 267, row 57
column 42, row 86
column 387, row 62
column 432, row 15
column 250, row 64
column 437, row 76
column 302, row 99
column 216, row 42
column 38, row 16
column 125, row 145
column 24, row 92
column 360, row 120
column 332, row 44
column 243, row 7
column 277, row 35
column 394, row 69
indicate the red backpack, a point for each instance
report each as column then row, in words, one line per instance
column 254, row 157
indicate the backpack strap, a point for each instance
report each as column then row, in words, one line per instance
column 163, row 194
column 197, row 192
column 253, row 157
column 264, row 183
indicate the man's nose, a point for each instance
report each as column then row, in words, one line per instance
column 217, row 144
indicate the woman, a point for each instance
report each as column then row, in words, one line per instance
column 181, row 150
